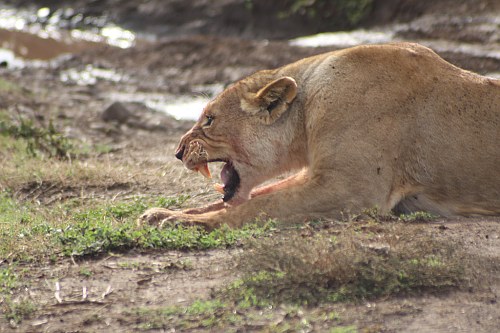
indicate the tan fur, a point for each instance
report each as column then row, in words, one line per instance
column 371, row 126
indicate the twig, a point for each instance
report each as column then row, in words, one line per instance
column 7, row 257
column 57, row 294
column 108, row 291
column 84, row 293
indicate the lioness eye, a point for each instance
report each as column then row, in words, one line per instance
column 210, row 120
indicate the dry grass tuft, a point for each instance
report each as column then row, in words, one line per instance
column 356, row 262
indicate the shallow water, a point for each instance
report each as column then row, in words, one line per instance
column 90, row 75
column 38, row 34
column 356, row 37
column 475, row 35
column 345, row 38
column 64, row 25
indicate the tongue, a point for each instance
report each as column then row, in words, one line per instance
column 225, row 174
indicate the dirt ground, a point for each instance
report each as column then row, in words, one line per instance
column 121, row 282
column 146, row 139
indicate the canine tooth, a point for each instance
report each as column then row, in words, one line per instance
column 203, row 169
column 219, row 188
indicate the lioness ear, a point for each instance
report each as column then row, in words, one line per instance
column 272, row 100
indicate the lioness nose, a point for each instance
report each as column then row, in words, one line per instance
column 180, row 152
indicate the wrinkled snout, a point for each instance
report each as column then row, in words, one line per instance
column 181, row 148
column 192, row 152
column 190, row 149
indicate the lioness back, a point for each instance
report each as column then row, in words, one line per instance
column 436, row 127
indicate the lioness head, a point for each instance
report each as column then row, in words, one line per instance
column 245, row 128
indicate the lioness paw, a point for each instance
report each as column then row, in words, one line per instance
column 154, row 216
column 160, row 217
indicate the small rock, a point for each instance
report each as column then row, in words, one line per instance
column 116, row 112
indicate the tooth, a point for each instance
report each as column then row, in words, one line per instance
column 203, row 169
column 219, row 188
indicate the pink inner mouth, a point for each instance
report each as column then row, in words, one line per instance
column 231, row 180
column 225, row 173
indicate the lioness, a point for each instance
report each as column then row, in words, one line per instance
column 387, row 126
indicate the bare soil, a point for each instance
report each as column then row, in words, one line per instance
column 145, row 140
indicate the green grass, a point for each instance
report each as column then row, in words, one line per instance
column 45, row 139
column 38, row 155
column 21, row 229
column 39, row 138
column 216, row 315
column 85, row 272
column 91, row 236
column 100, row 227
column 9, row 279
column 200, row 314
column 8, row 86
column 418, row 217
column 16, row 311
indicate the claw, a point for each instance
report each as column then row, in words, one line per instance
column 203, row 169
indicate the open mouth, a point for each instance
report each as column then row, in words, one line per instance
column 229, row 176
column 231, row 180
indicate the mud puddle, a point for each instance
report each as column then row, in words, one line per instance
column 28, row 37
column 41, row 38
column 21, row 49
column 65, row 26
